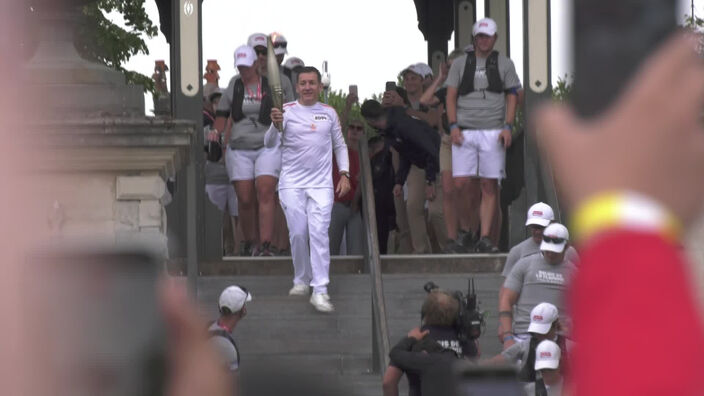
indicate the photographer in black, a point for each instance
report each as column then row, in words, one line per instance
column 425, row 355
column 417, row 143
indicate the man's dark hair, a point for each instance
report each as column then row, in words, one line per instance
column 308, row 69
column 372, row 109
column 440, row 309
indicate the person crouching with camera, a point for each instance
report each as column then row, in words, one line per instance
column 428, row 349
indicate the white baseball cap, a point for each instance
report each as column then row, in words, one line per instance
column 484, row 26
column 425, row 69
column 540, row 214
column 293, row 62
column 555, row 237
column 547, row 355
column 542, row 317
column 257, row 39
column 233, row 298
column 414, row 68
column 245, row 56
column 280, row 40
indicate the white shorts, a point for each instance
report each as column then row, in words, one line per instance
column 250, row 164
column 480, row 155
column 223, row 196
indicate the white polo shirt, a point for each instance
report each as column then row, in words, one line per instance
column 306, row 156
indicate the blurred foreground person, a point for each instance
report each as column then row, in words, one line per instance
column 631, row 178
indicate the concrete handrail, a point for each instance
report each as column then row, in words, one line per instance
column 380, row 329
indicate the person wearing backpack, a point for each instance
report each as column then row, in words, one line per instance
column 482, row 96
column 232, row 308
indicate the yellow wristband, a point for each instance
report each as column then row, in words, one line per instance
column 625, row 210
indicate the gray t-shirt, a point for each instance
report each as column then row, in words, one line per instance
column 527, row 248
column 287, row 87
column 517, row 352
column 215, row 172
column 226, row 351
column 247, row 133
column 537, row 281
column 482, row 109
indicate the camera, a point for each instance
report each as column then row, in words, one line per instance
column 470, row 320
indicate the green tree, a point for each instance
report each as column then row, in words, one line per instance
column 103, row 41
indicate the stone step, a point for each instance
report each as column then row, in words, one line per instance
column 281, row 326
column 390, row 264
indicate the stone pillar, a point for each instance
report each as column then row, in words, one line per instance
column 101, row 165
column 465, row 16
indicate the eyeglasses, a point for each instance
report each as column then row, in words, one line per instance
column 356, row 127
column 280, row 45
column 553, row 240
column 260, row 50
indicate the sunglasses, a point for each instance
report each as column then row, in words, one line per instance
column 260, row 50
column 356, row 127
column 280, row 45
column 553, row 240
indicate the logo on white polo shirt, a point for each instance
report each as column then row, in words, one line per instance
column 320, row 117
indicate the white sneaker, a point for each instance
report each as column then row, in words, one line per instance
column 321, row 302
column 299, row 290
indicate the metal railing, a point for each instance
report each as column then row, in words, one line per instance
column 380, row 329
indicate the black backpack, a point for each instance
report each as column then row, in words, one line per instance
column 492, row 74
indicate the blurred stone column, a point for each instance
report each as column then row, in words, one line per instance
column 104, row 164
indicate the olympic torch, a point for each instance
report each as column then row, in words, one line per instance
column 274, row 77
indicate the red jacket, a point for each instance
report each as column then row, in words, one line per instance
column 637, row 325
column 354, row 175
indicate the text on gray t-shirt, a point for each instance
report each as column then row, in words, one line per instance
column 537, row 281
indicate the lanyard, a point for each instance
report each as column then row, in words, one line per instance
column 259, row 91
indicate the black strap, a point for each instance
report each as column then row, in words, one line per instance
column 264, row 109
column 492, row 73
column 527, row 373
column 226, row 334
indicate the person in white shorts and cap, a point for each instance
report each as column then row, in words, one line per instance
column 482, row 89
column 311, row 132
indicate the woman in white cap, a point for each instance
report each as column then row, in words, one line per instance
column 253, row 168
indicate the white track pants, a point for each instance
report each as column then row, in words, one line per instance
column 307, row 213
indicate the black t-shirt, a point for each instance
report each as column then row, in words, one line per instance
column 447, row 338
column 441, row 94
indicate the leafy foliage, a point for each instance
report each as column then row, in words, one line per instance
column 562, row 91
column 103, row 41
column 337, row 100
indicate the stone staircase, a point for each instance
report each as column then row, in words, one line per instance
column 284, row 336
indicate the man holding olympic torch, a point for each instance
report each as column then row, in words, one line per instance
column 306, row 130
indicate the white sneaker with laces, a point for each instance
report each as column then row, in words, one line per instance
column 321, row 302
column 299, row 290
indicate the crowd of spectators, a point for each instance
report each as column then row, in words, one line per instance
column 437, row 148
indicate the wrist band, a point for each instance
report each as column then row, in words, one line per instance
column 505, row 313
column 508, row 337
column 624, row 210
column 454, row 125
